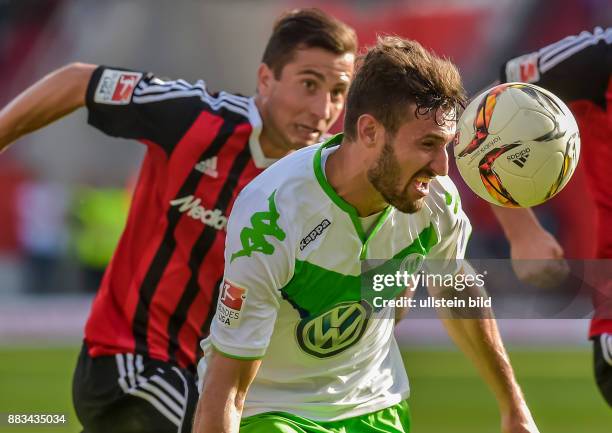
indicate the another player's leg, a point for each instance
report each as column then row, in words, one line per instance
column 127, row 393
column 602, row 359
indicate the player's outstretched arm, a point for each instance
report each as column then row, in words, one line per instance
column 51, row 98
column 537, row 257
column 480, row 340
column 225, row 386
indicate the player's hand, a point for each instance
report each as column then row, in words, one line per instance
column 537, row 259
column 519, row 421
column 513, row 426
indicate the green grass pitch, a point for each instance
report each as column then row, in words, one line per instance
column 447, row 394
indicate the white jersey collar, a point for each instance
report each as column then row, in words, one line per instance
column 260, row 160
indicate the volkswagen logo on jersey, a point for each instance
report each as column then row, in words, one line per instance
column 335, row 330
column 412, row 263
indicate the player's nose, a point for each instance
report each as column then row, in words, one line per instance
column 439, row 163
column 321, row 106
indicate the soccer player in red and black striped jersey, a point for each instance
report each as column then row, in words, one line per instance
column 577, row 69
column 158, row 295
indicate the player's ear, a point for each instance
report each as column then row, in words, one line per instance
column 265, row 75
column 368, row 130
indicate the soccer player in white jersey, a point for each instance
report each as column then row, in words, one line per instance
column 294, row 346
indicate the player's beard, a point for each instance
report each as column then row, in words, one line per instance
column 384, row 175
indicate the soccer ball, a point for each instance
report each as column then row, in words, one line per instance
column 517, row 145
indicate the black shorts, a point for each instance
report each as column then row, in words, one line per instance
column 128, row 393
column 602, row 356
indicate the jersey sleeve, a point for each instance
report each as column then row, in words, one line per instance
column 576, row 67
column 258, row 263
column 138, row 105
column 453, row 227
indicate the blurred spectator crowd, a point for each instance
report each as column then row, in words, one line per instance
column 62, row 237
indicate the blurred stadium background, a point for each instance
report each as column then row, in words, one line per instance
column 65, row 190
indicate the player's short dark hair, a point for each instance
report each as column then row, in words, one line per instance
column 395, row 73
column 306, row 28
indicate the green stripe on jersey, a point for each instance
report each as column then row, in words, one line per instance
column 334, row 287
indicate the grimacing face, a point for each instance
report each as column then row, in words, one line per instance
column 305, row 101
column 410, row 160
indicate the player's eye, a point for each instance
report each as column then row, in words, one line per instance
column 309, row 85
column 337, row 94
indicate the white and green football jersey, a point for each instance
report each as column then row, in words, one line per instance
column 292, row 290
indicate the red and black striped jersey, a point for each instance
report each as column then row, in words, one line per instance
column 159, row 291
column 578, row 69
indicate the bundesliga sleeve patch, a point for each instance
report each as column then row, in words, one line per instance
column 523, row 68
column 116, row 87
column 230, row 304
